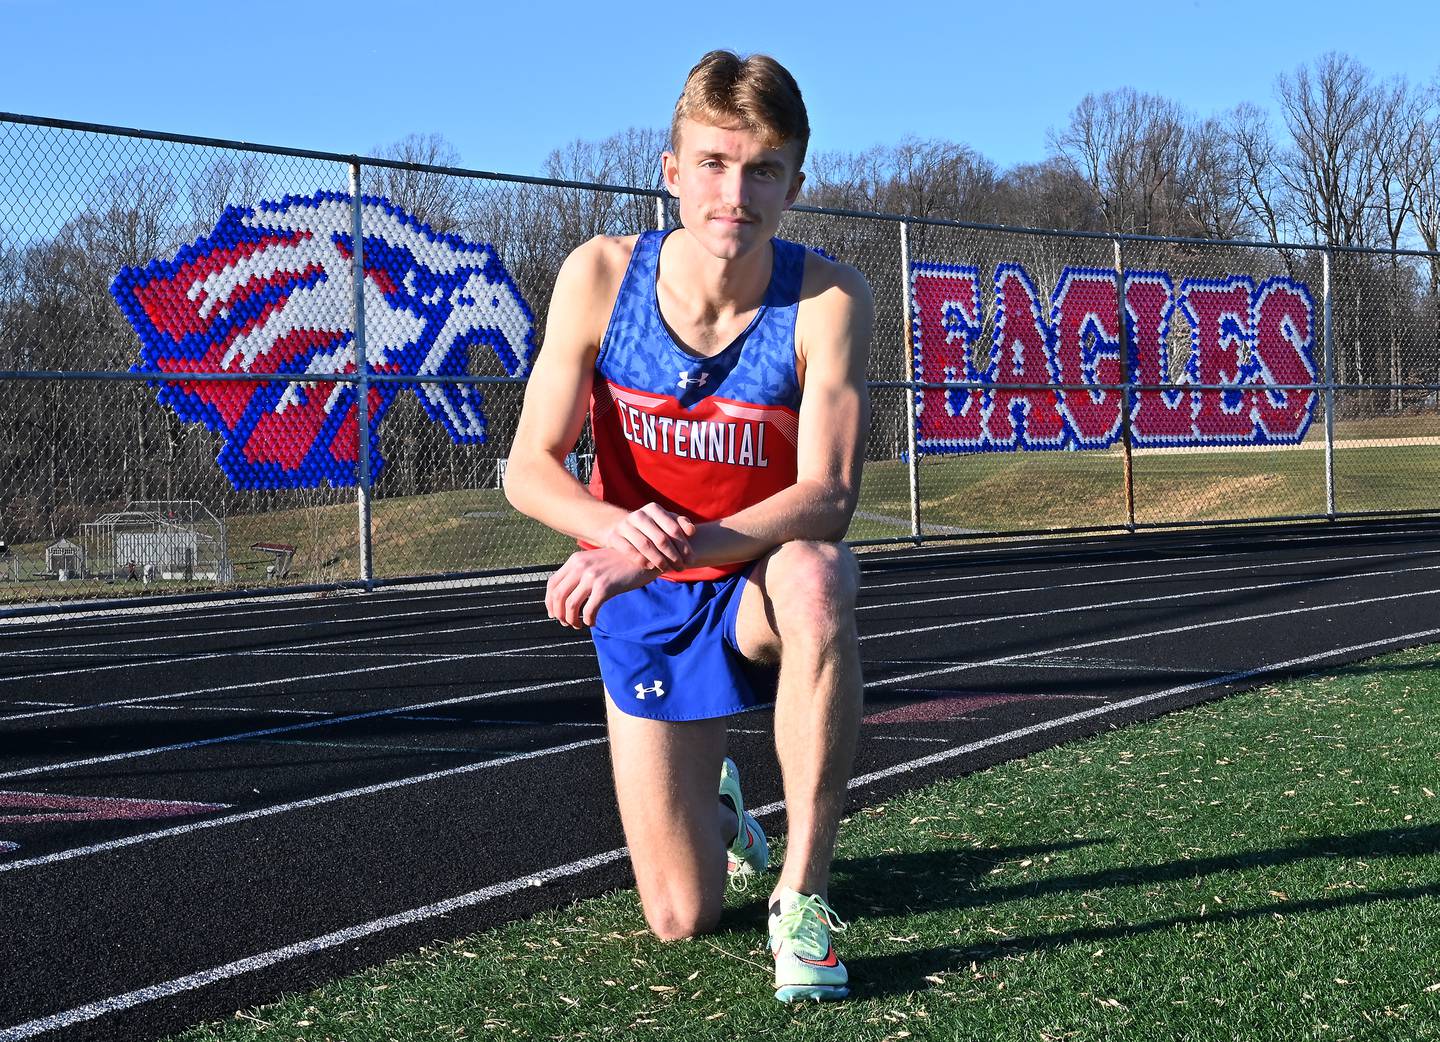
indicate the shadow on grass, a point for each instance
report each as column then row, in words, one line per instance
column 907, row 884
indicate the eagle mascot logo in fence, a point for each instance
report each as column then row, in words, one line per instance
column 270, row 290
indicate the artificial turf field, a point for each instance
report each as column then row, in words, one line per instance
column 1261, row 867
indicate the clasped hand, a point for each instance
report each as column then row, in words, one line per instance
column 640, row 546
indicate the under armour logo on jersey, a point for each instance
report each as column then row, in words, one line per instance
column 657, row 689
column 696, row 380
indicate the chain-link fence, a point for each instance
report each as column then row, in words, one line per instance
column 227, row 366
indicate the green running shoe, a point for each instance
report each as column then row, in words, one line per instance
column 806, row 966
column 750, row 853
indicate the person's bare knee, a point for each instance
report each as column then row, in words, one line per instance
column 671, row 920
column 665, row 782
column 812, row 588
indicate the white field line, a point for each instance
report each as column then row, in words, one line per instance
column 868, row 587
column 1125, row 579
column 889, row 681
column 154, row 659
column 1122, row 563
column 300, row 804
column 194, row 981
column 1315, row 445
column 272, row 603
column 1088, row 546
column 1132, row 602
column 329, row 721
column 471, row 628
column 1192, row 627
column 251, row 685
column 268, row 628
column 202, row 657
column 990, row 620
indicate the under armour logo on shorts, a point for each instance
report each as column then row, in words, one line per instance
column 687, row 380
column 657, row 689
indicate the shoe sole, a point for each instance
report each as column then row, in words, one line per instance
column 818, row 992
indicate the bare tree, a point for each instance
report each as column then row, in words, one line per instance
column 1214, row 190
column 1330, row 178
column 1259, row 188
column 630, row 158
column 1396, row 141
column 915, row 177
column 232, row 180
column 433, row 198
column 1426, row 210
column 1329, row 172
column 1049, row 194
column 1426, row 172
column 1132, row 149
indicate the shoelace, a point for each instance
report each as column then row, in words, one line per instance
column 739, row 880
column 805, row 921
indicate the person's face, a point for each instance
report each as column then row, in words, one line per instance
column 732, row 189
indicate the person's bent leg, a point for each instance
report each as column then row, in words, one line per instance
column 666, row 781
column 799, row 607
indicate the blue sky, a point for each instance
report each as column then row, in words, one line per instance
column 507, row 82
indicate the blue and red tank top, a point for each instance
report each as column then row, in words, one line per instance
column 703, row 437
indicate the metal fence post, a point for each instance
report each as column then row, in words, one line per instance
column 907, row 358
column 1329, row 392
column 362, row 378
column 1127, row 378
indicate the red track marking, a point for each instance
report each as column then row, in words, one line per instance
column 92, row 808
column 935, row 709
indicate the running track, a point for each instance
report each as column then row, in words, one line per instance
column 205, row 807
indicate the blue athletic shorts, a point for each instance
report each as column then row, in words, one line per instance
column 668, row 651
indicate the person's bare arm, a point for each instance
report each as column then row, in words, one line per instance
column 834, row 343
column 537, row 482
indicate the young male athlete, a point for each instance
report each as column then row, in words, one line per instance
column 724, row 373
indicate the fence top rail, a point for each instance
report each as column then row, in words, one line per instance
column 657, row 193
column 309, row 153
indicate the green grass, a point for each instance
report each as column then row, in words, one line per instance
column 1262, row 868
column 993, row 492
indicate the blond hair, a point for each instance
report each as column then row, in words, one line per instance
column 756, row 93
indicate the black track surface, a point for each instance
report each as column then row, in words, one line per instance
column 478, row 725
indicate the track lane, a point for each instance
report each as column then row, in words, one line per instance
column 1016, row 684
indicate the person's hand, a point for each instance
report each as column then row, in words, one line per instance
column 654, row 537
column 587, row 580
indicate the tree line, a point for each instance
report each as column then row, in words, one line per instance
column 1344, row 158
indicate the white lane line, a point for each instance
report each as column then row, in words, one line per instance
column 116, row 1003
column 1006, row 660
column 1129, row 703
column 991, row 620
column 257, row 709
column 290, row 728
column 1124, row 579
column 49, row 705
column 301, row 804
column 376, row 747
column 1124, row 563
column 193, row 981
column 271, row 604
column 1150, row 635
column 1112, row 542
column 904, row 738
column 252, row 685
column 202, row 656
